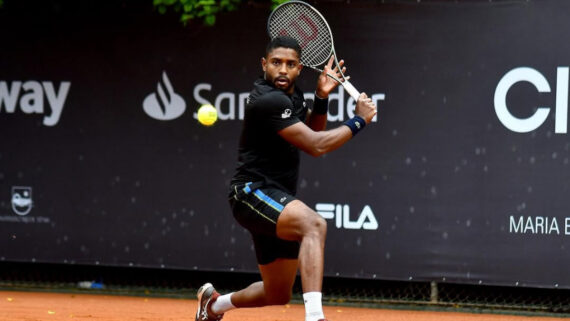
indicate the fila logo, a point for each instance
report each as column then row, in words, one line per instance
column 341, row 214
column 286, row 113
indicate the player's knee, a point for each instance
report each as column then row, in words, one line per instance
column 321, row 226
column 317, row 226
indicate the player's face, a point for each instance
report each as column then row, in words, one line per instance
column 282, row 67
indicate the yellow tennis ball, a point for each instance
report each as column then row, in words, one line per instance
column 207, row 115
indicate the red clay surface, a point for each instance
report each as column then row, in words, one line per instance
column 33, row 306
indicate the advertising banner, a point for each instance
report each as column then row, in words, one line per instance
column 462, row 176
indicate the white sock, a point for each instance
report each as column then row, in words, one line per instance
column 313, row 306
column 223, row 304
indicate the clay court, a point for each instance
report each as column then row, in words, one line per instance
column 45, row 306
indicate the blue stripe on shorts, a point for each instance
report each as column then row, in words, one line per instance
column 268, row 200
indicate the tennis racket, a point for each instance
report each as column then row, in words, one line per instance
column 305, row 24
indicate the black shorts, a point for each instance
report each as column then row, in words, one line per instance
column 257, row 209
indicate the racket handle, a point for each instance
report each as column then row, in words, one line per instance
column 353, row 92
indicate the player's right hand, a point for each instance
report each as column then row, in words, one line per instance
column 365, row 108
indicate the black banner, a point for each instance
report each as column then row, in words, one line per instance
column 461, row 178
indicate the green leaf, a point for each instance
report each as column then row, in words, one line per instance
column 210, row 20
column 192, row 9
column 186, row 17
column 275, row 3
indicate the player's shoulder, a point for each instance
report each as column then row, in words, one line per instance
column 266, row 95
column 274, row 97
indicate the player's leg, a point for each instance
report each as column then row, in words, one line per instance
column 258, row 210
column 300, row 223
column 277, row 262
column 278, row 223
column 275, row 289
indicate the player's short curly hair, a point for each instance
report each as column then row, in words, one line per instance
column 283, row 42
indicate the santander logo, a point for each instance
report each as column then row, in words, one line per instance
column 164, row 104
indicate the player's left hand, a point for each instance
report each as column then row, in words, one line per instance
column 327, row 84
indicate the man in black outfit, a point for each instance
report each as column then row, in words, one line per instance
column 287, row 234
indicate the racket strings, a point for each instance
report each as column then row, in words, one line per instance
column 307, row 27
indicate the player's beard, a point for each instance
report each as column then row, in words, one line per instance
column 283, row 83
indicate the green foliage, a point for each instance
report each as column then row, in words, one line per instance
column 206, row 10
column 275, row 3
column 201, row 9
column 197, row 9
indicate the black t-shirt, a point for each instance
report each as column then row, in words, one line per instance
column 263, row 155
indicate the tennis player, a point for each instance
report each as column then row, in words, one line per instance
column 287, row 234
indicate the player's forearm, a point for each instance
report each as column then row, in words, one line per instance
column 318, row 117
column 318, row 143
column 329, row 140
column 317, row 122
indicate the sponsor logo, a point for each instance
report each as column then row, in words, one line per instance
column 533, row 76
column 542, row 225
column 231, row 105
column 341, row 214
column 22, row 204
column 34, row 97
column 301, row 24
column 22, row 200
column 164, row 104
column 286, row 113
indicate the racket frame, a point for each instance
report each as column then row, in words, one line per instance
column 350, row 89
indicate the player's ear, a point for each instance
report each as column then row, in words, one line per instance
column 300, row 66
column 264, row 63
